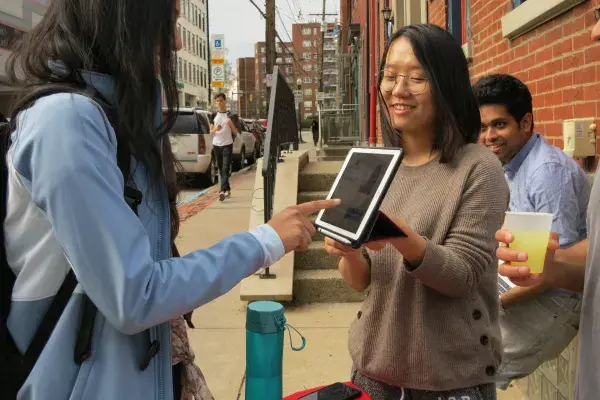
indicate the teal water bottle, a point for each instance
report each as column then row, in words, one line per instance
column 265, row 326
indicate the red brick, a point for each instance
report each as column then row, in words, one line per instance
column 539, row 100
column 514, row 66
column 553, row 35
column 560, row 49
column 543, row 55
column 592, row 55
column 553, row 67
column 563, row 80
column 582, row 40
column 572, row 95
column 584, row 110
column 559, row 143
column 585, row 75
column 562, row 113
column 574, row 26
column 553, row 99
column 544, row 85
column 522, row 51
column 543, row 114
column 592, row 92
column 536, row 44
column 553, row 129
column 574, row 60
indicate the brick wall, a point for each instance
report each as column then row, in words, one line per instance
column 437, row 14
column 557, row 60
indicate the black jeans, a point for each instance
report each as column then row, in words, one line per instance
column 315, row 136
column 223, row 154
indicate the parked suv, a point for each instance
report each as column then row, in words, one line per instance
column 191, row 141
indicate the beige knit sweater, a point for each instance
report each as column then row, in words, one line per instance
column 435, row 327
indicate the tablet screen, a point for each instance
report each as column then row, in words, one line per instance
column 356, row 188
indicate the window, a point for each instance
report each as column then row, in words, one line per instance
column 308, row 104
column 307, row 80
column 306, row 31
column 308, row 92
column 306, row 56
column 262, row 50
column 193, row 44
column 288, row 70
column 289, row 60
column 315, row 31
column 306, row 43
column 183, row 7
column 455, row 19
column 530, row 14
column 263, row 60
column 188, row 7
column 185, row 71
column 179, row 69
column 307, row 67
column 278, row 49
column 184, row 38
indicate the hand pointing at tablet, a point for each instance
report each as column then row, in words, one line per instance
column 293, row 226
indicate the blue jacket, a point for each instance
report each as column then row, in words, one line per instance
column 66, row 210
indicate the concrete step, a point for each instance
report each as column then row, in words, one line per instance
column 336, row 151
column 318, row 176
column 331, row 158
column 304, row 197
column 323, row 286
column 315, row 258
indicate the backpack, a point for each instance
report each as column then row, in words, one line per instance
column 14, row 366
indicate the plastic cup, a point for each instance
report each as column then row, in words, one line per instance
column 531, row 233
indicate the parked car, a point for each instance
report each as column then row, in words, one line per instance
column 259, row 134
column 191, row 141
column 245, row 148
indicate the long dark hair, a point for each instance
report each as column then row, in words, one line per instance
column 457, row 120
column 131, row 40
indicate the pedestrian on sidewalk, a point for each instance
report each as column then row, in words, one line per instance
column 90, row 278
column 428, row 328
column 577, row 269
column 223, row 130
column 315, row 131
column 537, row 323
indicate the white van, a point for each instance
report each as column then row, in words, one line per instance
column 191, row 142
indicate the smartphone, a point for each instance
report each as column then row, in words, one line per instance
column 337, row 391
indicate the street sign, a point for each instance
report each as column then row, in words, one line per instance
column 218, row 54
column 218, row 73
column 218, row 42
column 217, row 61
column 320, row 96
column 269, row 80
column 298, row 96
column 218, row 84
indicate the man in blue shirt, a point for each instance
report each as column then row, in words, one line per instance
column 537, row 323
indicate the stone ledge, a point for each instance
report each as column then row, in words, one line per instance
column 254, row 288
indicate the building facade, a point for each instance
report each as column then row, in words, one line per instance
column 547, row 45
column 16, row 17
column 246, row 87
column 193, row 59
column 284, row 59
column 307, row 42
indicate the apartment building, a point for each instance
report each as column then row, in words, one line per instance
column 16, row 17
column 284, row 59
column 246, row 75
column 307, row 40
column 193, row 60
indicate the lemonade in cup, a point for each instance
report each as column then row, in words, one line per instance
column 531, row 232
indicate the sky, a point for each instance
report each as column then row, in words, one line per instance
column 243, row 26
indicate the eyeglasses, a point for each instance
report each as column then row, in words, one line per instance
column 597, row 13
column 414, row 85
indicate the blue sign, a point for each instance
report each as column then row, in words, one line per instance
column 218, row 44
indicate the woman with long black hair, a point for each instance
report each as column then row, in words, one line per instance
column 92, row 202
column 428, row 328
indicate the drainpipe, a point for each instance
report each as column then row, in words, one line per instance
column 372, row 76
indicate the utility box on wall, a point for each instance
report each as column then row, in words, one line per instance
column 580, row 137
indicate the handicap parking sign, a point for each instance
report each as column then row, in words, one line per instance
column 218, row 43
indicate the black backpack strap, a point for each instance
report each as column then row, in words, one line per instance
column 83, row 344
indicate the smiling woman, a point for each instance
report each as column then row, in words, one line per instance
column 430, row 291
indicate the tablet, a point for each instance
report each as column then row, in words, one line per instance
column 361, row 185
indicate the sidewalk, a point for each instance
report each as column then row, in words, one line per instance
column 219, row 338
